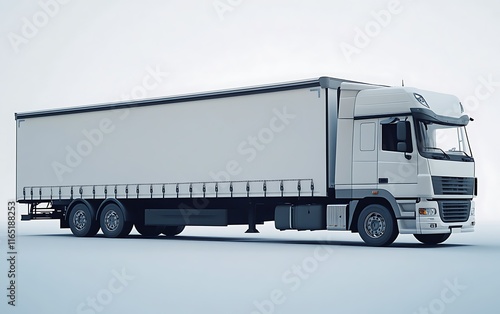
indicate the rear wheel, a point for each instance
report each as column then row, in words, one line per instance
column 148, row 231
column 376, row 226
column 171, row 231
column 113, row 223
column 81, row 221
column 432, row 239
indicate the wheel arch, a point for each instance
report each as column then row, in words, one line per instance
column 77, row 201
column 117, row 202
column 391, row 205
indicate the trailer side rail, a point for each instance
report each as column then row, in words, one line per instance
column 213, row 189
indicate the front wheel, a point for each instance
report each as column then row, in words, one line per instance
column 376, row 226
column 432, row 239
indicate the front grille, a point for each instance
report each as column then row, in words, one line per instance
column 454, row 211
column 453, row 186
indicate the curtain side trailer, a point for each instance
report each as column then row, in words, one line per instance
column 322, row 154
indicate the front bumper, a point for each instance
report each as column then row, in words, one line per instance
column 433, row 224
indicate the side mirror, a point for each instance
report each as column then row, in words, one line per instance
column 401, row 135
column 401, row 131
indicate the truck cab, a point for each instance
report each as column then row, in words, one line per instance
column 409, row 149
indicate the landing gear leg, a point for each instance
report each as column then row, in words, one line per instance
column 252, row 220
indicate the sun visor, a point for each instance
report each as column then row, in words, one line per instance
column 429, row 115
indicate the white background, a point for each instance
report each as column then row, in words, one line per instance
column 100, row 51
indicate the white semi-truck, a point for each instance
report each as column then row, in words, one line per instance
column 322, row 154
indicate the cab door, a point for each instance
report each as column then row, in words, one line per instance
column 397, row 155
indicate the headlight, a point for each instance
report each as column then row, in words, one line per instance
column 427, row 211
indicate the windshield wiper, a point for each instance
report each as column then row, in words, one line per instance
column 466, row 158
column 437, row 148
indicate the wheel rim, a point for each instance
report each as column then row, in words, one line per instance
column 375, row 225
column 111, row 220
column 80, row 220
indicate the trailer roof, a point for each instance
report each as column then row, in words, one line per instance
column 324, row 82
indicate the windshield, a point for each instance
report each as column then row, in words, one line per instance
column 440, row 141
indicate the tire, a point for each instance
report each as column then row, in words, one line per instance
column 113, row 223
column 377, row 226
column 81, row 222
column 148, row 231
column 432, row 239
column 171, row 231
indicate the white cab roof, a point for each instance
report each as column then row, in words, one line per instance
column 400, row 100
